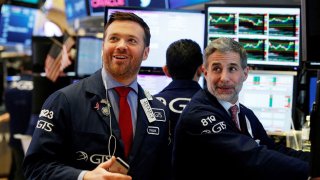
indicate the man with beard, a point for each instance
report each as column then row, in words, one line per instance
column 83, row 127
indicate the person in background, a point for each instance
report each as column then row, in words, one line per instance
column 216, row 140
column 18, row 103
column 80, row 128
column 183, row 64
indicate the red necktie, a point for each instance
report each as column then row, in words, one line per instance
column 125, row 120
column 234, row 115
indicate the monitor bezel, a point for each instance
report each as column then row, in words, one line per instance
column 152, row 69
column 262, row 66
column 72, row 20
column 26, row 48
column 25, row 4
column 295, row 119
column 77, row 55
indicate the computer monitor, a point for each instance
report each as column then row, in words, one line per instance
column 310, row 16
column 270, row 34
column 26, row 3
column 174, row 4
column 312, row 91
column 75, row 9
column 148, row 4
column 16, row 28
column 88, row 58
column 270, row 94
column 166, row 26
column 151, row 83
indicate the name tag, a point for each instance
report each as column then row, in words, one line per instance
column 159, row 114
column 148, row 95
column 148, row 110
column 153, row 130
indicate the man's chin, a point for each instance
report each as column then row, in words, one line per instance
column 224, row 97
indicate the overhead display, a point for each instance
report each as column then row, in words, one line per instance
column 271, row 35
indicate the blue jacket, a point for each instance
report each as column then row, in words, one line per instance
column 176, row 96
column 207, row 144
column 18, row 102
column 73, row 133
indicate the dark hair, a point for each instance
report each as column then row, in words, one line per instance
column 183, row 58
column 123, row 16
column 223, row 45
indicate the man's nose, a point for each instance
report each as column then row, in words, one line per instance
column 122, row 44
column 225, row 75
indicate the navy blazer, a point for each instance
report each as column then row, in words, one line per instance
column 208, row 145
column 73, row 133
column 176, row 96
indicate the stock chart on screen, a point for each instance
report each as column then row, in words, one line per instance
column 271, row 35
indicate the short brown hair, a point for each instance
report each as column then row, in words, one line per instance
column 224, row 44
column 122, row 16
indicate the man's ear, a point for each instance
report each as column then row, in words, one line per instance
column 145, row 53
column 199, row 71
column 246, row 72
column 166, row 71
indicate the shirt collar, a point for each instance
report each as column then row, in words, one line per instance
column 226, row 105
column 110, row 83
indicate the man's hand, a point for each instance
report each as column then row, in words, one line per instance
column 101, row 172
column 314, row 178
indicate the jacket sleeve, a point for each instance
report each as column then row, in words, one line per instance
column 211, row 129
column 46, row 156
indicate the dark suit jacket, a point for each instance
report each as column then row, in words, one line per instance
column 176, row 96
column 208, row 145
column 73, row 134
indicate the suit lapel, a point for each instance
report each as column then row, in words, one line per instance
column 104, row 110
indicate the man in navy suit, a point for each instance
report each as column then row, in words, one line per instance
column 78, row 135
column 183, row 65
column 213, row 142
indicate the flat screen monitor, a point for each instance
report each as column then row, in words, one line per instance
column 151, row 83
column 26, row 3
column 167, row 26
column 149, row 3
column 311, row 33
column 16, row 28
column 173, row 4
column 270, row 94
column 312, row 91
column 88, row 58
column 271, row 35
column 75, row 9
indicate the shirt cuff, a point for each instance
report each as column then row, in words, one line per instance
column 80, row 177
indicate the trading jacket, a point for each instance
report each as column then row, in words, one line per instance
column 176, row 96
column 208, row 145
column 73, row 134
column 18, row 101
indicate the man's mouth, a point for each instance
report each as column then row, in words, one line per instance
column 119, row 57
column 225, row 89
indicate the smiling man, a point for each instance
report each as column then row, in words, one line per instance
column 83, row 127
column 218, row 134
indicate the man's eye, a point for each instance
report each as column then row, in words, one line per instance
column 216, row 69
column 233, row 69
column 133, row 41
column 113, row 38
